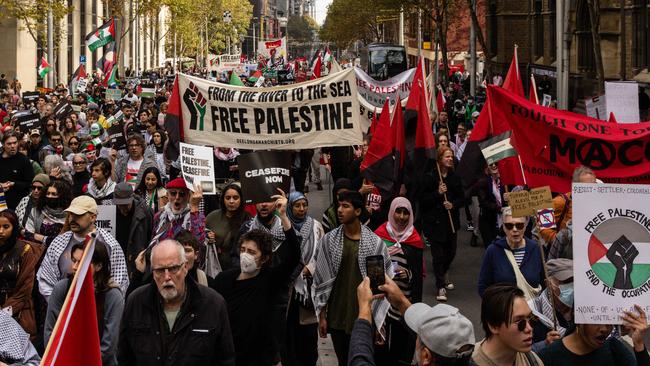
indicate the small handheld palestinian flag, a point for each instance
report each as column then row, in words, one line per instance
column 43, row 68
column 102, row 36
column 497, row 148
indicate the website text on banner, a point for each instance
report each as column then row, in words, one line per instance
column 551, row 143
column 321, row 112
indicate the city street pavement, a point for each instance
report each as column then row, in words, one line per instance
column 463, row 272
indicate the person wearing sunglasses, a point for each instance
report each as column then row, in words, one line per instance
column 508, row 325
column 173, row 320
column 181, row 212
column 513, row 259
column 27, row 204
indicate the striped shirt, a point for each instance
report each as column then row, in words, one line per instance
column 519, row 255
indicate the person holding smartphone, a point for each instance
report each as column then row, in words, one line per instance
column 340, row 265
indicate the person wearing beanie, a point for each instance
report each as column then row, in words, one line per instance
column 27, row 203
column 181, row 212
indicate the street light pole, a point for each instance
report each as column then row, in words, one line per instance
column 472, row 54
column 50, row 46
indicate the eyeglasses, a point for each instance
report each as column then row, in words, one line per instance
column 78, row 163
column 37, row 188
column 179, row 194
column 171, row 269
column 521, row 324
column 511, row 225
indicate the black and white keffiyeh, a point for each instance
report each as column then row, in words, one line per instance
column 275, row 230
column 14, row 339
column 49, row 274
column 329, row 253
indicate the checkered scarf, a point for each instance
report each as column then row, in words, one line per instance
column 13, row 341
column 329, row 253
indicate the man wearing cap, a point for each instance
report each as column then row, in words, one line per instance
column 17, row 173
column 557, row 296
column 444, row 335
column 35, row 143
column 133, row 223
column 181, row 212
column 82, row 215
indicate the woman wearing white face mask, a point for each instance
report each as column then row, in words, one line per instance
column 248, row 290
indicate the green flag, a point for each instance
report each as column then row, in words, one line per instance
column 235, row 80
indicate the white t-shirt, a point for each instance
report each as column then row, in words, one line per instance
column 132, row 170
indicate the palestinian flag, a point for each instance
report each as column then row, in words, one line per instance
column 235, row 80
column 497, row 148
column 378, row 165
column 110, row 80
column 43, row 68
column 315, row 72
column 102, row 36
column 618, row 238
column 256, row 75
column 75, row 337
column 105, row 63
column 79, row 74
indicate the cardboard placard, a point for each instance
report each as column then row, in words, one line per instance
column 262, row 172
column 197, row 165
column 540, row 198
column 520, row 203
column 31, row 97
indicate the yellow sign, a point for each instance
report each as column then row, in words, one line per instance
column 426, row 45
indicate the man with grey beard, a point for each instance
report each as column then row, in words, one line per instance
column 173, row 320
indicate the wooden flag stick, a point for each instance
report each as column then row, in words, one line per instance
column 451, row 221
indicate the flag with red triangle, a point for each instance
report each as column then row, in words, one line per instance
column 315, row 72
column 378, row 165
column 43, row 68
column 79, row 74
column 75, row 337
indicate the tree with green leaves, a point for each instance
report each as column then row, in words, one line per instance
column 302, row 31
column 32, row 17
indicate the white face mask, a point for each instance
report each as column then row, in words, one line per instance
column 248, row 264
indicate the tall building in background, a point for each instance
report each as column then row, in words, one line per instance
column 21, row 54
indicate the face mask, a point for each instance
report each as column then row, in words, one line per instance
column 248, row 264
column 53, row 202
column 566, row 294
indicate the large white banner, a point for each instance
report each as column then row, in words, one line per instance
column 313, row 114
column 225, row 63
column 275, row 49
column 373, row 93
column 611, row 251
column 622, row 99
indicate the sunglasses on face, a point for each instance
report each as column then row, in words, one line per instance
column 171, row 269
column 521, row 324
column 37, row 188
column 511, row 225
column 78, row 163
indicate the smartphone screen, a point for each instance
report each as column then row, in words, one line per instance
column 375, row 269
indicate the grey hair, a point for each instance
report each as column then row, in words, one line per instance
column 53, row 161
column 580, row 171
column 507, row 211
column 179, row 246
column 81, row 156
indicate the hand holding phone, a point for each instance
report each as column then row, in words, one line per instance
column 376, row 273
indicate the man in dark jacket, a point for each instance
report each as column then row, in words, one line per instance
column 173, row 320
column 134, row 222
column 17, row 173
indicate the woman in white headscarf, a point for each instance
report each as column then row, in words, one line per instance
column 302, row 332
column 405, row 247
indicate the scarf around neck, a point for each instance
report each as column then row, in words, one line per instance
column 400, row 234
column 100, row 193
column 168, row 219
column 275, row 229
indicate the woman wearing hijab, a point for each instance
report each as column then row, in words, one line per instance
column 405, row 247
column 302, row 332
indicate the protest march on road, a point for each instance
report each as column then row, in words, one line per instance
column 165, row 219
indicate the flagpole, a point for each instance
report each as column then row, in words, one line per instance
column 548, row 293
column 68, row 296
column 451, row 221
column 532, row 81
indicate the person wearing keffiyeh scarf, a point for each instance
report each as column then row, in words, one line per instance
column 178, row 214
column 405, row 247
column 340, row 265
column 302, row 338
column 15, row 347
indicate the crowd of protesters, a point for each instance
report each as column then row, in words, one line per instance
column 194, row 280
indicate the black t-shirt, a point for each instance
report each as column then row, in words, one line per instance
column 122, row 228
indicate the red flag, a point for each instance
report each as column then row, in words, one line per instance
column 378, row 163
column 315, row 74
column 441, row 101
column 75, row 338
column 419, row 79
column 399, row 147
column 425, row 144
column 532, row 94
column 174, row 124
column 612, row 118
column 513, row 78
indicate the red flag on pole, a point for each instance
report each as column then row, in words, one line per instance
column 373, row 123
column 399, row 147
column 513, row 78
column 533, row 91
column 315, row 73
column 75, row 338
column 378, row 163
column 441, row 101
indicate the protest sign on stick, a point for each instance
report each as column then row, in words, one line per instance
column 611, row 251
column 197, row 165
column 261, row 173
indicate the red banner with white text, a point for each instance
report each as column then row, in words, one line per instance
column 552, row 143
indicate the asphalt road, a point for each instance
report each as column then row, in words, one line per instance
column 463, row 272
